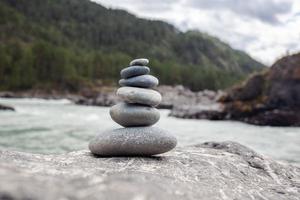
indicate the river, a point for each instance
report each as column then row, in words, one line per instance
column 58, row 126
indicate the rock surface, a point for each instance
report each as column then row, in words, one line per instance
column 210, row 171
column 134, row 71
column 128, row 115
column 139, row 95
column 136, row 141
column 144, row 81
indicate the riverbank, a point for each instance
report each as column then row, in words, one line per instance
column 173, row 96
column 207, row 171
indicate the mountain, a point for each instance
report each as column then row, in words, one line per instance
column 70, row 43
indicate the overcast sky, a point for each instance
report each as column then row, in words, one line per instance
column 266, row 29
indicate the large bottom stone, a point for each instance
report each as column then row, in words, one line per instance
column 129, row 115
column 136, row 141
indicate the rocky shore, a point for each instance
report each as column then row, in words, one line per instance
column 207, row 171
column 198, row 105
column 268, row 98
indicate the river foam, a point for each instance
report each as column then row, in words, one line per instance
column 58, row 126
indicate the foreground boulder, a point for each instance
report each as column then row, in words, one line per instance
column 208, row 171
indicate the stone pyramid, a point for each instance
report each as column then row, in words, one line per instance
column 137, row 114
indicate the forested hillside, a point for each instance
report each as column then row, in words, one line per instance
column 68, row 43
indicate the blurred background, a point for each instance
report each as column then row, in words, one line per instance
column 228, row 70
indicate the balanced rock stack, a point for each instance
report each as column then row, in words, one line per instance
column 137, row 114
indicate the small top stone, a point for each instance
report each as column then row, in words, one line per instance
column 140, row 62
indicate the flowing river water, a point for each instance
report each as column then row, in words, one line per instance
column 58, row 126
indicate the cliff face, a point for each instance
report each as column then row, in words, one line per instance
column 268, row 98
column 208, row 171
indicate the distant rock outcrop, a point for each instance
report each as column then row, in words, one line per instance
column 5, row 107
column 208, row 171
column 269, row 98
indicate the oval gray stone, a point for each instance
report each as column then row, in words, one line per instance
column 140, row 62
column 129, row 115
column 134, row 71
column 139, row 96
column 136, row 141
column 144, row 81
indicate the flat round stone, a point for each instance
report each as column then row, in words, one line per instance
column 139, row 96
column 129, row 115
column 134, row 71
column 144, row 81
column 140, row 62
column 136, row 141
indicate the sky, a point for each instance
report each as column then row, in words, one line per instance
column 265, row 29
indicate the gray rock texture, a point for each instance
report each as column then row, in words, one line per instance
column 139, row 95
column 139, row 61
column 211, row 171
column 134, row 71
column 144, row 81
column 129, row 115
column 136, row 141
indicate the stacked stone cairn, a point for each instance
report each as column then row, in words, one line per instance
column 137, row 114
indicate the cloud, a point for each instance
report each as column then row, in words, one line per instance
column 266, row 11
column 155, row 5
column 152, row 6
